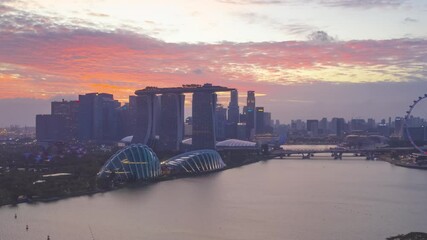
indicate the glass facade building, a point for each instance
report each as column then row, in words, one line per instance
column 135, row 162
column 198, row 161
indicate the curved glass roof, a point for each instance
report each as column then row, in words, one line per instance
column 134, row 162
column 127, row 139
column 198, row 161
column 229, row 143
column 235, row 143
column 188, row 141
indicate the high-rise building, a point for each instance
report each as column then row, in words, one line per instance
column 220, row 121
column 233, row 107
column 69, row 110
column 259, row 120
column 250, row 114
column 338, row 126
column 371, row 124
column 268, row 123
column 98, row 117
column 145, row 119
column 358, row 125
column 323, row 126
column 171, row 128
column 204, row 104
column 398, row 127
column 313, row 127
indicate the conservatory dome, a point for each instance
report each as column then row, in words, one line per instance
column 134, row 162
column 198, row 161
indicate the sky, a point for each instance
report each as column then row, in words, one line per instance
column 304, row 58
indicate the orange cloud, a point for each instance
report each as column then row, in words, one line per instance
column 60, row 59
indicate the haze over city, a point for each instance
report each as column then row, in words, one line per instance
column 305, row 59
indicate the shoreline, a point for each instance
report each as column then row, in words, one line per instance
column 170, row 178
column 131, row 184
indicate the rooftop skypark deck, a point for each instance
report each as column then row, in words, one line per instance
column 188, row 88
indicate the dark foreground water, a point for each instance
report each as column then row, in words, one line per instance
column 277, row 199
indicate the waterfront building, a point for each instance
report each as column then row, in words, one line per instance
column 233, row 107
column 418, row 134
column 250, row 114
column 194, row 162
column 204, row 120
column 135, row 162
column 268, row 123
column 398, row 127
column 98, row 117
column 171, row 128
column 323, row 126
column 69, row 110
column 313, row 127
column 220, row 121
column 371, row 124
column 338, row 126
column 231, row 130
column 145, row 119
column 358, row 125
column 259, row 120
column 241, row 131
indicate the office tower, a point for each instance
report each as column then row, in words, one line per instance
column 358, row 125
column 398, row 127
column 323, row 127
column 171, row 128
column 250, row 114
column 338, row 126
column 98, row 117
column 313, row 127
column 371, row 124
column 69, row 110
column 259, row 120
column 220, row 121
column 204, row 104
column 144, row 129
column 268, row 123
column 233, row 107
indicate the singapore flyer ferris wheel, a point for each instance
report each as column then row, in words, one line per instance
column 407, row 117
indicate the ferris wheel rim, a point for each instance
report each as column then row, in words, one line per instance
column 405, row 123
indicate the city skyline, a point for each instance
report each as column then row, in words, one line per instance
column 299, row 63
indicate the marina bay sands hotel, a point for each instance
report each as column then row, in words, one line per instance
column 162, row 110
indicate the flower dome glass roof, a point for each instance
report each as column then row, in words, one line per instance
column 134, row 162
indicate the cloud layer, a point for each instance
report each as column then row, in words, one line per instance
column 328, row 3
column 41, row 57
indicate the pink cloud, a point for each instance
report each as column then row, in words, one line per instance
column 41, row 58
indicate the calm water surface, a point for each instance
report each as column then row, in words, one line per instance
column 276, row 199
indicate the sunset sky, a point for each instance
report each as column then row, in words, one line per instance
column 305, row 58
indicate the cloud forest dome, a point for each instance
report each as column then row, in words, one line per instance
column 198, row 161
column 134, row 162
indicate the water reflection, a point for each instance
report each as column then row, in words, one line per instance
column 277, row 199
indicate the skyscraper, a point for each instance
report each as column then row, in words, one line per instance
column 220, row 121
column 98, row 117
column 204, row 104
column 250, row 113
column 144, row 129
column 313, row 127
column 259, row 120
column 69, row 110
column 171, row 128
column 233, row 107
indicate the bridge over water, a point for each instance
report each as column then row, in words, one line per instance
column 338, row 153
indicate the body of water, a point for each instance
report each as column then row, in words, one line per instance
column 289, row 199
